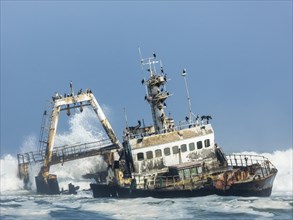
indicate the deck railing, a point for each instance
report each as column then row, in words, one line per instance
column 255, row 163
column 242, row 160
column 181, row 125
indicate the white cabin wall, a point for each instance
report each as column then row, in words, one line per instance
column 173, row 159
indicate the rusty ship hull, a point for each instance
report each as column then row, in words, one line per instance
column 256, row 188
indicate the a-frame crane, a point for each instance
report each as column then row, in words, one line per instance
column 47, row 183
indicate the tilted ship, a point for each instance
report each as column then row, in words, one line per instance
column 167, row 160
column 163, row 160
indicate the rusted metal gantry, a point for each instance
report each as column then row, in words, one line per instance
column 63, row 154
column 49, row 155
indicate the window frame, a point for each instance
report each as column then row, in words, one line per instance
column 175, row 149
column 207, row 143
column 193, row 146
column 160, row 154
column 183, row 148
column 199, row 145
column 138, row 156
column 167, row 149
column 149, row 155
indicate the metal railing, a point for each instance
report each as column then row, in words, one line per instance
column 181, row 125
column 66, row 153
column 256, row 164
column 242, row 160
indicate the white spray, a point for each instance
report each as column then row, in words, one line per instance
column 283, row 161
column 83, row 128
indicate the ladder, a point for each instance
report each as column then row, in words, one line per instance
column 45, row 128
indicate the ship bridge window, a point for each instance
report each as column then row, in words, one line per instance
column 140, row 156
column 158, row 153
column 175, row 150
column 199, row 144
column 193, row 171
column 187, row 173
column 191, row 147
column 149, row 155
column 207, row 143
column 183, row 148
column 181, row 174
column 199, row 170
column 167, row 151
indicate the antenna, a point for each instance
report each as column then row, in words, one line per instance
column 184, row 73
column 125, row 115
column 141, row 59
column 150, row 62
column 161, row 65
column 71, row 88
column 163, row 74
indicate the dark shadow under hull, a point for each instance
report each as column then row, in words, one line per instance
column 258, row 188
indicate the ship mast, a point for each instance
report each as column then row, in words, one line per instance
column 184, row 73
column 156, row 93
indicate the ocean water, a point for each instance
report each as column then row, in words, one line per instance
column 17, row 203
column 27, row 205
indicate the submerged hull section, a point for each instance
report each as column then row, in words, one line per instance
column 258, row 188
column 48, row 186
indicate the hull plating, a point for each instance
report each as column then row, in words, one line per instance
column 258, row 188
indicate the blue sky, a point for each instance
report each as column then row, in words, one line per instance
column 238, row 56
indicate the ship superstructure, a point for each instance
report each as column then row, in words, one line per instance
column 155, row 148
